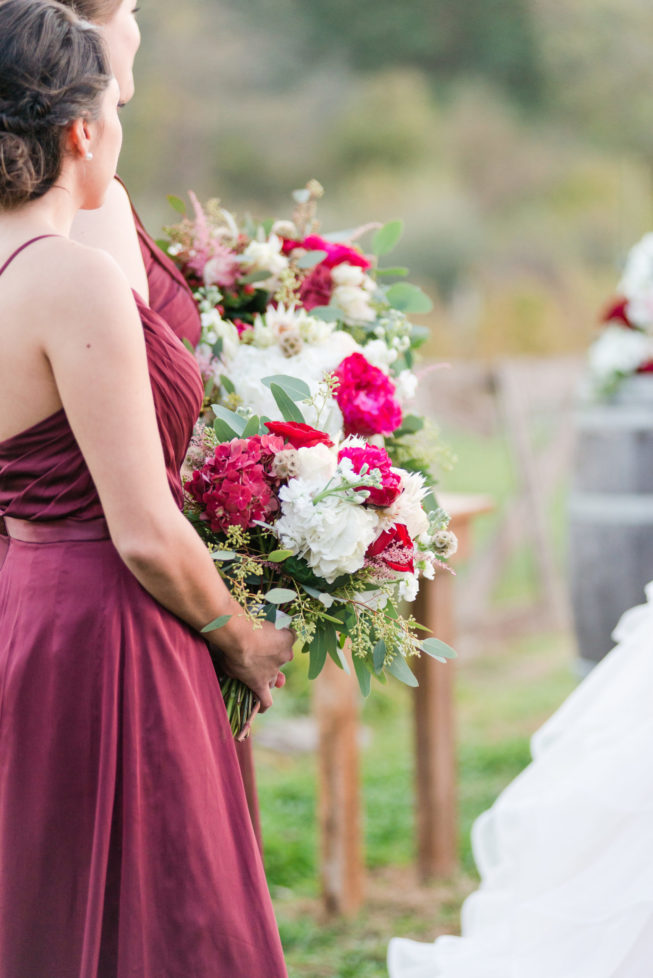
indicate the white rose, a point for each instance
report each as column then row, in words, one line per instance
column 345, row 274
column 354, row 303
column 265, row 256
column 317, row 464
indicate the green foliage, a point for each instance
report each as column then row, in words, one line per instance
column 289, row 410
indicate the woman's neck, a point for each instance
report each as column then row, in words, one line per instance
column 51, row 214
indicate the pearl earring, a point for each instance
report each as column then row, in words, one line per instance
column 89, row 156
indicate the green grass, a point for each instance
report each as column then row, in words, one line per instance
column 502, row 696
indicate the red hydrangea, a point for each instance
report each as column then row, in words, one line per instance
column 367, row 398
column 316, row 288
column 237, row 485
column 299, row 435
column 394, row 549
column 375, row 458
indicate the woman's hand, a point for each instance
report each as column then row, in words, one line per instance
column 254, row 654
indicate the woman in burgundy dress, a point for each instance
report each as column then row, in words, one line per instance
column 125, row 850
column 117, row 228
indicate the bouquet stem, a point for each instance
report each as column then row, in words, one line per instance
column 239, row 701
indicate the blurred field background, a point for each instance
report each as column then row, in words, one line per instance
column 514, row 138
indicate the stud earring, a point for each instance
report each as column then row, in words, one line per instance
column 89, row 156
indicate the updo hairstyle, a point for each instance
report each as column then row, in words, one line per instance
column 53, row 69
column 95, row 11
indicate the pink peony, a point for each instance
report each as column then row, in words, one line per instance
column 367, row 398
column 375, row 458
column 394, row 549
column 237, row 485
column 337, row 253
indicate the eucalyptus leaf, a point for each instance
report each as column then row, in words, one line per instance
column 223, row 431
column 387, row 238
column 318, row 653
column 288, row 408
column 252, row 427
column 363, row 675
column 232, row 420
column 311, row 259
column 261, row 275
column 399, row 669
column 216, row 623
column 224, row 554
column 189, row 346
column 280, row 595
column 408, row 298
column 329, row 314
column 398, row 271
column 410, row 425
column 282, row 620
column 378, row 655
column 438, row 649
column 277, row 556
column 338, row 656
column 177, row 204
column 296, row 389
column 227, row 383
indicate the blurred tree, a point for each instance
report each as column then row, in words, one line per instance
column 492, row 39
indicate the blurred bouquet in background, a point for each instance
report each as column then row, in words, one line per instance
column 319, row 536
column 277, row 298
column 625, row 346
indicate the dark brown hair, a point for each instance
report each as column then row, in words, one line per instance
column 97, row 11
column 53, row 69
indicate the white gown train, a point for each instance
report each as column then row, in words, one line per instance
column 566, row 852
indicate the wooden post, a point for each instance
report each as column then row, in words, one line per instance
column 435, row 734
column 337, row 712
column 435, row 751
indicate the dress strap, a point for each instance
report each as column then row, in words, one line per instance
column 39, row 237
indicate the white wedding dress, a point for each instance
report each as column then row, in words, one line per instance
column 566, row 852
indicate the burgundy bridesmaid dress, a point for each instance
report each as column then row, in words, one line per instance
column 171, row 297
column 125, row 846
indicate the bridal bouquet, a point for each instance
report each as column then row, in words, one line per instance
column 278, row 298
column 321, row 536
column 625, row 346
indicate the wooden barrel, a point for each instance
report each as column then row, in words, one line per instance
column 610, row 512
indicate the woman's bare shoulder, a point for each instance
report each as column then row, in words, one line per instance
column 79, row 283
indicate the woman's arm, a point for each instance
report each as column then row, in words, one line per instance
column 112, row 228
column 93, row 339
